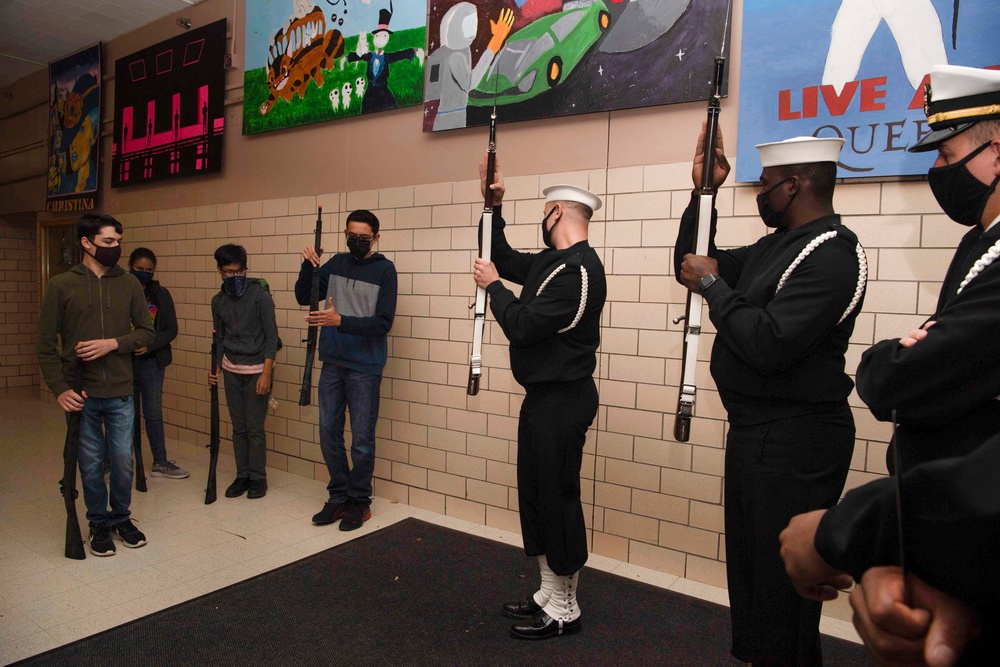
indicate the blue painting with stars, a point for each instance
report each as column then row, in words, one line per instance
column 545, row 58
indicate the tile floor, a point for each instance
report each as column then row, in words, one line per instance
column 47, row 600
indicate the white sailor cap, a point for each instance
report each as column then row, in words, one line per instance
column 572, row 193
column 800, row 150
column 955, row 100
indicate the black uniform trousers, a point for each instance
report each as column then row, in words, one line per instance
column 774, row 471
column 551, row 432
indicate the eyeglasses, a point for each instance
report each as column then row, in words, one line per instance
column 138, row 270
column 230, row 274
column 364, row 238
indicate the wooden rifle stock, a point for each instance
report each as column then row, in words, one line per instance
column 140, row 469
column 67, row 485
column 305, row 392
column 485, row 250
column 213, row 438
column 692, row 313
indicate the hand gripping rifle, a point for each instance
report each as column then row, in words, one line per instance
column 140, row 470
column 67, row 485
column 692, row 314
column 305, row 392
column 213, row 438
column 485, row 250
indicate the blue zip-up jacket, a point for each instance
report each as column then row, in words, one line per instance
column 364, row 293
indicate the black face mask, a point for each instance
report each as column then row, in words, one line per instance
column 546, row 232
column 144, row 277
column 359, row 247
column 235, row 285
column 961, row 195
column 106, row 256
column 771, row 216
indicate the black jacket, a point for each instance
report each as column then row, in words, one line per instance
column 543, row 347
column 164, row 324
column 944, row 388
column 780, row 354
column 951, row 532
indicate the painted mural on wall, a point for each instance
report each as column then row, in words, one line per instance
column 74, row 131
column 854, row 69
column 309, row 62
column 546, row 58
column 169, row 103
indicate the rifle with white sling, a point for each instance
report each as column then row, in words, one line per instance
column 485, row 250
column 692, row 313
column 305, row 392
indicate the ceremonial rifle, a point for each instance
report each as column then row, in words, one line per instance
column 898, row 474
column 140, row 470
column 213, row 438
column 305, row 393
column 706, row 195
column 67, row 485
column 485, row 250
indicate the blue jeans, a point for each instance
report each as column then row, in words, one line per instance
column 341, row 388
column 151, row 390
column 106, row 435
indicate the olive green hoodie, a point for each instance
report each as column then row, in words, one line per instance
column 79, row 306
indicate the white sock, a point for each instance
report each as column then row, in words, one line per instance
column 543, row 594
column 562, row 606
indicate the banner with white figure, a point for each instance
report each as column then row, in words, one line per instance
column 854, row 69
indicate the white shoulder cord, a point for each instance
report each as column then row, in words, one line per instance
column 862, row 269
column 980, row 264
column 583, row 294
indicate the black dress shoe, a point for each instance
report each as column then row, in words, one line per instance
column 543, row 626
column 238, row 487
column 258, row 488
column 526, row 608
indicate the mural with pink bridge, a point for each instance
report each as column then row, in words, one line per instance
column 169, row 105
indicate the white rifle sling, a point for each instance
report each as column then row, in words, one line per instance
column 692, row 333
column 988, row 257
column 583, row 294
column 476, row 360
column 859, row 289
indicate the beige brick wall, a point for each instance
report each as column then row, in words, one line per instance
column 648, row 499
column 19, row 306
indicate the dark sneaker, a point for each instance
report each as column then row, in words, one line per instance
column 130, row 536
column 330, row 513
column 100, row 542
column 258, row 488
column 355, row 515
column 238, row 487
column 168, row 469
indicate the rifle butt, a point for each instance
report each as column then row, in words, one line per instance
column 682, row 428
column 213, row 461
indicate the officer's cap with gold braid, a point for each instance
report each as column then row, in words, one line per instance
column 955, row 100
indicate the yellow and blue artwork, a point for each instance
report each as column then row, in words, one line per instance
column 74, row 130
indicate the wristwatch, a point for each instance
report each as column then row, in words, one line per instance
column 708, row 281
